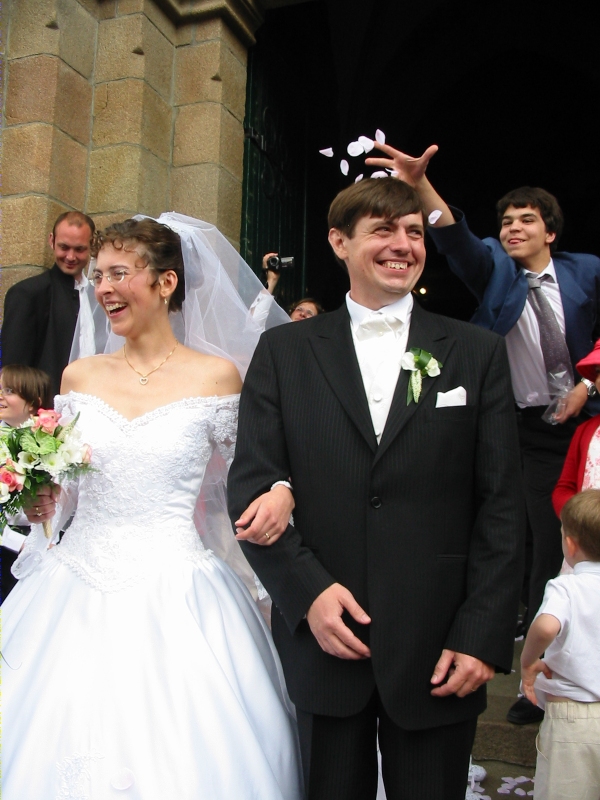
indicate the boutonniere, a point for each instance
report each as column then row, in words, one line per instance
column 421, row 365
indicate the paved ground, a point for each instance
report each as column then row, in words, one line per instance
column 503, row 749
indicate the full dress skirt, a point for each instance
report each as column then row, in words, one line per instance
column 135, row 663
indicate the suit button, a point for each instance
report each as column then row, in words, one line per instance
column 376, row 502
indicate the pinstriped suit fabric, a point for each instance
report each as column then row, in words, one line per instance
column 425, row 529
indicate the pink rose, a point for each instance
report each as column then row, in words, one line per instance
column 13, row 480
column 47, row 420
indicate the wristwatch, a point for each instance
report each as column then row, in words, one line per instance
column 591, row 387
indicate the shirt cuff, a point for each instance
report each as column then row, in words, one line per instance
column 282, row 483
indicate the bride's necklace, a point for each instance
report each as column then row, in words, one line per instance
column 144, row 378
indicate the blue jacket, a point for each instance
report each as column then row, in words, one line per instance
column 500, row 286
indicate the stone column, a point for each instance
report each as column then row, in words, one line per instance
column 133, row 118
column 209, row 96
column 48, row 96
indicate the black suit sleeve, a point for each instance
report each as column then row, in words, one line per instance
column 24, row 324
column 484, row 624
column 291, row 573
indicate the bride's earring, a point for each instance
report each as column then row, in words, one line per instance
column 166, row 301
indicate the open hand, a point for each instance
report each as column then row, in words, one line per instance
column 43, row 507
column 408, row 169
column 465, row 674
column 325, row 620
column 267, row 517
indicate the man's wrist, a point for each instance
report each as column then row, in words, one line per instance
column 590, row 387
column 287, row 484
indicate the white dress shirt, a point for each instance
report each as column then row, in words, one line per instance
column 379, row 353
column 527, row 368
column 574, row 656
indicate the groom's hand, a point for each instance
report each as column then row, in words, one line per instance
column 465, row 674
column 325, row 620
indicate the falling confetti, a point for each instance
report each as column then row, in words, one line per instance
column 380, row 174
column 328, row 151
column 434, row 216
column 344, row 166
column 359, row 178
column 380, row 136
column 367, row 144
column 355, row 148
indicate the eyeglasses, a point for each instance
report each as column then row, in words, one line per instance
column 113, row 276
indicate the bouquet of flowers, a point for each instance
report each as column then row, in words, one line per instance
column 43, row 451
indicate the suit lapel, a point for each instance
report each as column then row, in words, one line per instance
column 427, row 333
column 334, row 350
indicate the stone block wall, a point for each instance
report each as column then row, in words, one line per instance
column 115, row 107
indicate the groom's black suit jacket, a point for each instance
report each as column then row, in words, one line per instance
column 425, row 529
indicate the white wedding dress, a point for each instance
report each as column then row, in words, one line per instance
column 135, row 663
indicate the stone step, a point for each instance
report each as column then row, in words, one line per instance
column 500, row 740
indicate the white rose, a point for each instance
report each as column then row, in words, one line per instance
column 432, row 368
column 408, row 361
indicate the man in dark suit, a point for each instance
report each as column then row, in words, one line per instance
column 395, row 589
column 496, row 272
column 40, row 313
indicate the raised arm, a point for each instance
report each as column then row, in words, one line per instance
column 413, row 171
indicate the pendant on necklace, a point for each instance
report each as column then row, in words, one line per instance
column 143, row 380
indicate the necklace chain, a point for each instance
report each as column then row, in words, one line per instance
column 144, row 378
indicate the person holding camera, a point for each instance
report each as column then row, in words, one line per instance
column 306, row 307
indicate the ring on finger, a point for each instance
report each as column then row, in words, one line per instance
column 267, row 536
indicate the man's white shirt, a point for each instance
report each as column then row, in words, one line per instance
column 527, row 369
column 379, row 352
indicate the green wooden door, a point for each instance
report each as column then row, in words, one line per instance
column 274, row 193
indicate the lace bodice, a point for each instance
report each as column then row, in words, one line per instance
column 136, row 509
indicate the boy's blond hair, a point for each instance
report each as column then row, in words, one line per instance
column 581, row 521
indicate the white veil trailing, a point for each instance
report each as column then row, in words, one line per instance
column 226, row 308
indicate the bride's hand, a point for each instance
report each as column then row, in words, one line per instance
column 43, row 507
column 408, row 169
column 267, row 517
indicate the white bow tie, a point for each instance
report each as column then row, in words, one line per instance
column 377, row 324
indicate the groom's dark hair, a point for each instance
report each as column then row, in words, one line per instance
column 373, row 197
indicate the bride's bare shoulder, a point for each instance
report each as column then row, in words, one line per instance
column 78, row 375
column 213, row 375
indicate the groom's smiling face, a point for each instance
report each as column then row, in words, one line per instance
column 384, row 257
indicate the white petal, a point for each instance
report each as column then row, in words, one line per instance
column 368, row 144
column 344, row 166
column 328, row 151
column 380, row 174
column 522, row 779
column 359, row 178
column 434, row 216
column 394, row 173
column 123, row 779
column 380, row 136
column 355, row 148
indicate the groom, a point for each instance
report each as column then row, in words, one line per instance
column 395, row 590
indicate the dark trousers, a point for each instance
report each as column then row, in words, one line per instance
column 543, row 451
column 339, row 757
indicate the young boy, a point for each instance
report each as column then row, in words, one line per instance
column 567, row 681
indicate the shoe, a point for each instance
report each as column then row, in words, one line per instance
column 521, row 630
column 523, row 712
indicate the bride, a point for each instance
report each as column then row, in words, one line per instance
column 135, row 662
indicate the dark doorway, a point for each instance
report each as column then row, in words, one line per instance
column 508, row 93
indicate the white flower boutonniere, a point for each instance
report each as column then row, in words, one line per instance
column 421, row 365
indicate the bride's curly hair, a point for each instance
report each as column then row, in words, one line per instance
column 161, row 249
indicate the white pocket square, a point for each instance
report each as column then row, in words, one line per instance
column 455, row 397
